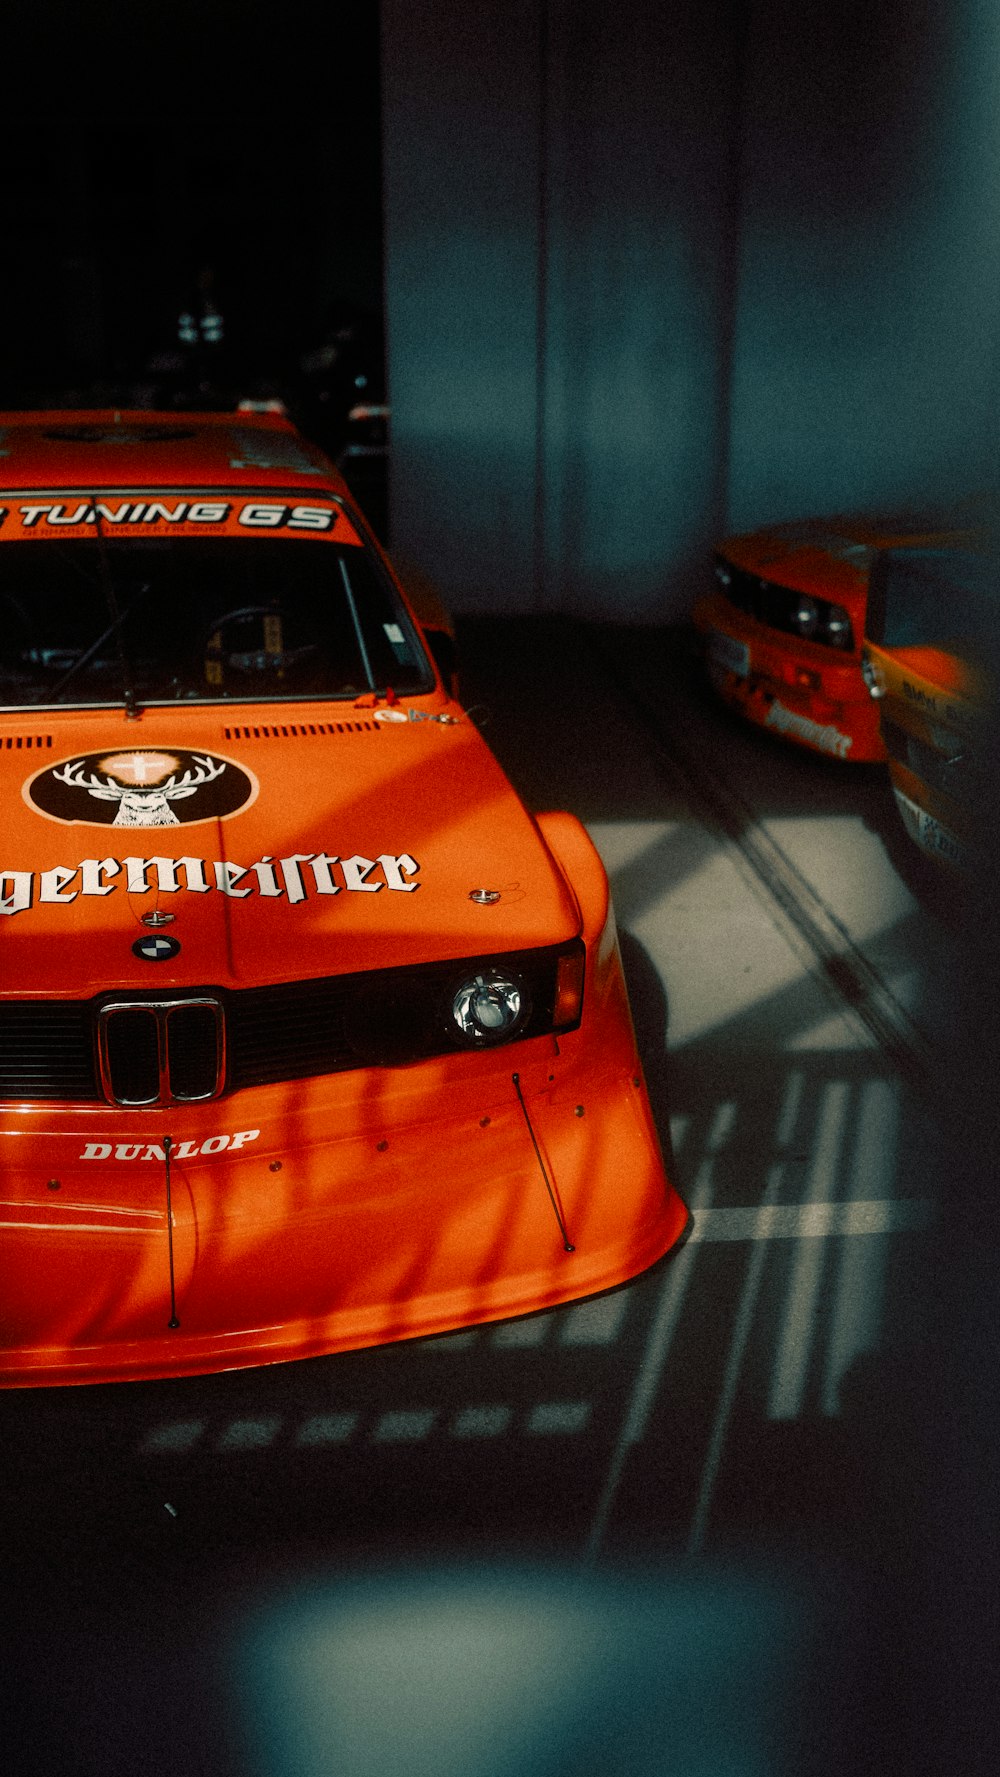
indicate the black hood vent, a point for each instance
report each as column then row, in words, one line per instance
column 299, row 730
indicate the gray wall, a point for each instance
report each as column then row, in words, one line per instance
column 652, row 280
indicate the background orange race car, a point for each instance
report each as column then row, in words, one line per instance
column 783, row 625
column 931, row 665
column 311, row 1037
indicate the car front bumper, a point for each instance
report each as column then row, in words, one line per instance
column 761, row 673
column 325, row 1215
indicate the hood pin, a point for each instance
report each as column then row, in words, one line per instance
column 484, row 897
column 157, row 918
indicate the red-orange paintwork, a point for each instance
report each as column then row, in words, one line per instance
column 806, row 692
column 331, row 1212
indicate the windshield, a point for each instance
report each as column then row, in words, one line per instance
column 96, row 617
column 935, row 598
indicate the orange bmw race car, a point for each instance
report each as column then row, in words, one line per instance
column 783, row 626
column 311, row 1037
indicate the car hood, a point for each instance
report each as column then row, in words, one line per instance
column 281, row 846
column 832, row 557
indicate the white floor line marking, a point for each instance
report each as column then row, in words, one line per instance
column 481, row 1422
column 176, row 1438
column 855, row 1318
column 326, row 1428
column 250, row 1434
column 787, row 1120
column 798, row 1323
column 680, row 1123
column 815, row 1221
column 745, row 1311
column 661, row 1333
column 876, row 1146
column 551, row 1418
column 404, row 1426
column 791, row 1105
column 597, row 1322
column 856, row 1308
column 520, row 1335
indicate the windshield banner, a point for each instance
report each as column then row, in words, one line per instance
column 147, row 513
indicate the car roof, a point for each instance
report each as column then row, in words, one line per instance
column 112, row 447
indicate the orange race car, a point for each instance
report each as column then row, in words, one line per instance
column 783, row 627
column 311, row 1037
column 931, row 665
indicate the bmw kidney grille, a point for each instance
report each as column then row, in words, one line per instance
column 161, row 1052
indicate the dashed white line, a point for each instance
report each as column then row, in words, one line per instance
column 814, row 1221
column 250, row 1434
column 481, row 1422
column 174, row 1439
column 798, row 1322
column 597, row 1322
column 673, row 1291
column 557, row 1418
column 404, row 1427
column 326, row 1428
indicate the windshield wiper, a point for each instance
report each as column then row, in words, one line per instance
column 118, row 618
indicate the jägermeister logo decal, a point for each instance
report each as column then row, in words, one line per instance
column 141, row 787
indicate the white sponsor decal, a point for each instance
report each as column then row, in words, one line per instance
column 726, row 652
column 293, row 879
column 182, row 1150
column 253, row 514
column 930, row 835
column 826, row 737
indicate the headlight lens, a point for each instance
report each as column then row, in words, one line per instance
column 805, row 615
column 489, row 1007
column 784, row 607
column 837, row 627
column 872, row 675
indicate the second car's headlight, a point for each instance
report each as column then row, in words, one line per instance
column 490, row 1006
column 873, row 675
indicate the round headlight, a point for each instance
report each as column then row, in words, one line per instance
column 805, row 616
column 838, row 627
column 488, row 1007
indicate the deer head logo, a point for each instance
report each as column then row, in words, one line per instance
column 144, row 788
column 138, row 806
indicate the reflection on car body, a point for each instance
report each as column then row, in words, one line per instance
column 783, row 626
column 311, row 1037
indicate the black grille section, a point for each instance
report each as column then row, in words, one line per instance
column 133, row 1057
column 47, row 1051
column 381, row 1019
column 194, row 1051
column 384, row 1018
column 956, row 776
column 777, row 607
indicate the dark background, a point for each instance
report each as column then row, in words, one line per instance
column 140, row 144
column 640, row 287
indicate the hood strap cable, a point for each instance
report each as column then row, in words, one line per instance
column 173, row 1322
column 568, row 1247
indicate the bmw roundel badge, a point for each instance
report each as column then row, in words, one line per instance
column 156, row 948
